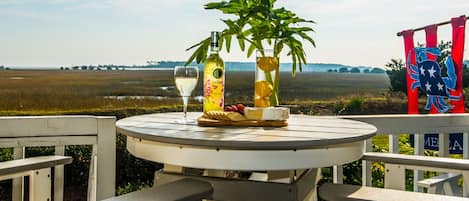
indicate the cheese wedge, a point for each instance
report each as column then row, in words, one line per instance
column 225, row 116
column 267, row 114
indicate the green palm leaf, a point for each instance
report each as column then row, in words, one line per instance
column 258, row 22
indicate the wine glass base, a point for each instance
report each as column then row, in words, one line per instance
column 186, row 121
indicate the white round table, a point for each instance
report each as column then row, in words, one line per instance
column 307, row 142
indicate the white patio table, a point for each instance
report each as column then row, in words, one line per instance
column 297, row 151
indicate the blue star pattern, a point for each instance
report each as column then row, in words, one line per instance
column 427, row 76
column 430, row 74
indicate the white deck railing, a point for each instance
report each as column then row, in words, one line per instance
column 60, row 131
column 394, row 125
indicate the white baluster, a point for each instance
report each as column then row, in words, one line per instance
column 338, row 174
column 443, row 144
column 394, row 144
column 18, row 183
column 366, row 165
column 418, row 150
column 465, row 156
column 59, row 176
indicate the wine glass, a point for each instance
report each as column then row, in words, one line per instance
column 186, row 79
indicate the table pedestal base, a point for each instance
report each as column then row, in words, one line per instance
column 302, row 189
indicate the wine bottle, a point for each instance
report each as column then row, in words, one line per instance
column 214, row 77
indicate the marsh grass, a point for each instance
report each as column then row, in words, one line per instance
column 47, row 91
column 78, row 90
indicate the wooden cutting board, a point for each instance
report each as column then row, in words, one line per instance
column 205, row 122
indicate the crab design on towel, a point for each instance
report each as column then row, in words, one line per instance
column 427, row 75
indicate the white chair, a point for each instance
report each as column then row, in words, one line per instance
column 60, row 131
column 395, row 164
column 39, row 171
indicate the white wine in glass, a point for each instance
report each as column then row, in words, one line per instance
column 186, row 79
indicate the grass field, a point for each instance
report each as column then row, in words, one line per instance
column 26, row 90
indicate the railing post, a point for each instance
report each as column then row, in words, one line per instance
column 418, row 150
column 106, row 158
column 18, row 183
column 465, row 156
column 59, row 176
column 92, row 176
column 366, row 165
column 465, row 145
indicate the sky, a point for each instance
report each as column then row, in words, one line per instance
column 93, row 32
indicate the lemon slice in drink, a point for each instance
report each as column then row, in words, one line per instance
column 261, row 101
column 263, row 88
column 267, row 64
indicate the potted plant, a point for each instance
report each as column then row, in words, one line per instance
column 258, row 24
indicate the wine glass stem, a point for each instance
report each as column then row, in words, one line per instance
column 185, row 100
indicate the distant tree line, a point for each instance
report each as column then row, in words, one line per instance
column 356, row 70
column 99, row 67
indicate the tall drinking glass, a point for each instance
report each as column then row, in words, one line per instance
column 267, row 79
column 186, row 79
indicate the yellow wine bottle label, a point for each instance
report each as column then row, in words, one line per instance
column 214, row 84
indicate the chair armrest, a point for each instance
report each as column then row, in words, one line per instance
column 439, row 180
column 415, row 160
column 33, row 163
column 181, row 190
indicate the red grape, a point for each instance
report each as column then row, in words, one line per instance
column 240, row 107
column 234, row 108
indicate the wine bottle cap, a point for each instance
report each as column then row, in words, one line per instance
column 215, row 35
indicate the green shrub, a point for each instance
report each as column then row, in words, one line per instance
column 132, row 172
column 355, row 105
column 130, row 187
